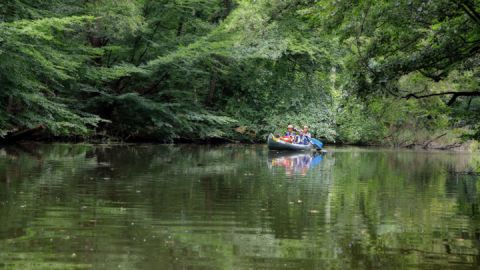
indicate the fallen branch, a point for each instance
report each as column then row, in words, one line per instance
column 22, row 134
column 427, row 144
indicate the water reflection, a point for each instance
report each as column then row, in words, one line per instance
column 294, row 163
column 68, row 206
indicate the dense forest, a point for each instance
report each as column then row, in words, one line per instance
column 401, row 73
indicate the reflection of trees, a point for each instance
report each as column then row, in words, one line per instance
column 185, row 206
column 399, row 204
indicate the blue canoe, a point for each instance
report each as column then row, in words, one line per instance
column 277, row 144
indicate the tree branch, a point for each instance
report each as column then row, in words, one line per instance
column 469, row 10
column 454, row 94
column 472, row 10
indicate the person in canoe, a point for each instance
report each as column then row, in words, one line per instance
column 305, row 135
column 289, row 135
column 290, row 131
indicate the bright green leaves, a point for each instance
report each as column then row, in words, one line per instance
column 101, row 75
column 116, row 20
column 37, row 66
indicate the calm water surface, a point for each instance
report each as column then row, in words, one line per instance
column 236, row 207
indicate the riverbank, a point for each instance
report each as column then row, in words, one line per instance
column 444, row 142
column 467, row 146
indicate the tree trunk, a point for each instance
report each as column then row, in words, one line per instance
column 211, row 92
column 227, row 7
column 180, row 29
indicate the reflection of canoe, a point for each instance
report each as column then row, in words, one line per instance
column 274, row 156
column 294, row 162
column 277, row 144
column 281, row 155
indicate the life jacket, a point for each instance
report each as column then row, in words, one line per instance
column 290, row 133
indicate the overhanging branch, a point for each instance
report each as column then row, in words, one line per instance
column 454, row 94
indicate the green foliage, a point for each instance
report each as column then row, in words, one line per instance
column 115, row 20
column 37, row 69
column 389, row 121
column 409, row 49
column 136, row 116
column 356, row 72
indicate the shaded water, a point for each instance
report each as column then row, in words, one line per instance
column 235, row 207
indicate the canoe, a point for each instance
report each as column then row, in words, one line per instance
column 277, row 144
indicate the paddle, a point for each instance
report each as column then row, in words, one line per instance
column 318, row 144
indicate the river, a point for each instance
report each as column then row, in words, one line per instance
column 80, row 206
